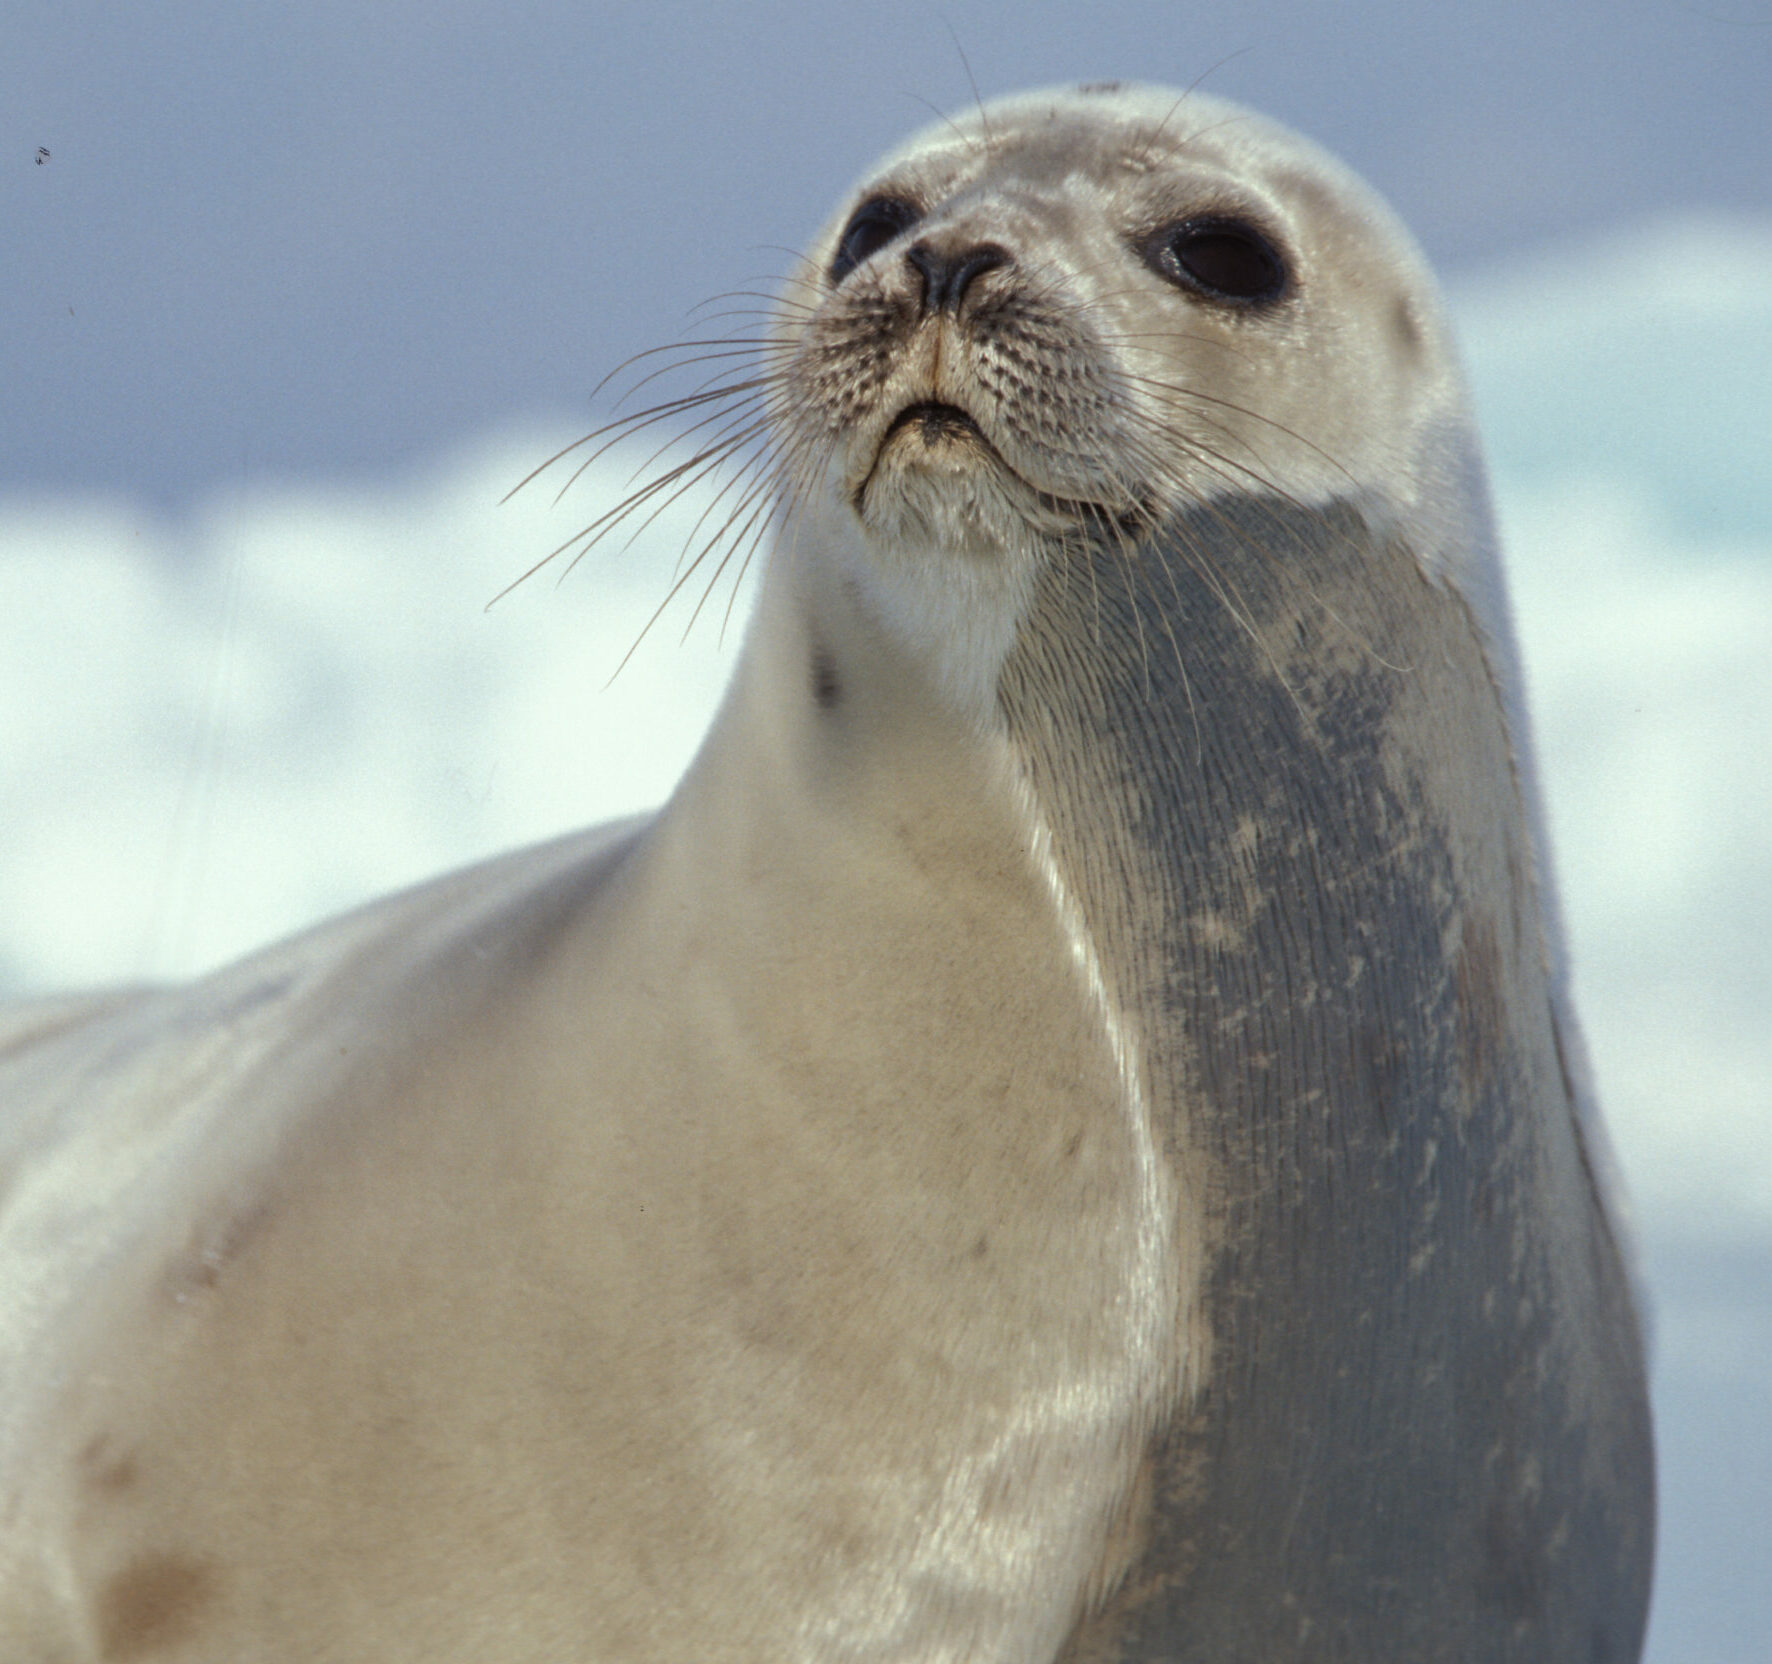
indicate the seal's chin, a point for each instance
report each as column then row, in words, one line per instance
column 936, row 482
column 936, row 479
column 931, row 437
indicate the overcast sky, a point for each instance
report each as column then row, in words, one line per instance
column 327, row 240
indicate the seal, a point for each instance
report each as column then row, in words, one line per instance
column 1066, row 1137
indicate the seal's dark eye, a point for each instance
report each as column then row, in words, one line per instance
column 1220, row 259
column 871, row 227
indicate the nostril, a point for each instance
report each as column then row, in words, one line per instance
column 947, row 274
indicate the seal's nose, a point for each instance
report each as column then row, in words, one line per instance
column 948, row 272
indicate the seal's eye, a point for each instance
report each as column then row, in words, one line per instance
column 871, row 227
column 1220, row 259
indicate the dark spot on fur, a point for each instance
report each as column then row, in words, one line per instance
column 1404, row 328
column 105, row 1469
column 1377, row 1060
column 1483, row 1201
column 1512, row 1575
column 1482, row 1008
column 981, row 1247
column 155, row 1603
column 211, row 1248
column 827, row 688
column 1521, row 894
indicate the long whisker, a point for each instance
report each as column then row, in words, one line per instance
column 651, row 417
column 630, row 423
column 1185, row 396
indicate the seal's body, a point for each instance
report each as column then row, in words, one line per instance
column 1064, row 1139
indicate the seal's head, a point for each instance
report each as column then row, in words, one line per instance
column 1076, row 313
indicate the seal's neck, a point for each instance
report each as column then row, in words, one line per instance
column 1278, row 780
column 1255, row 776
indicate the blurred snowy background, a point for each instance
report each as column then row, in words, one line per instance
column 297, row 296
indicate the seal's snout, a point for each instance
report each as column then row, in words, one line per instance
column 947, row 269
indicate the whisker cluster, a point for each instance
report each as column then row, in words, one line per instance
column 724, row 434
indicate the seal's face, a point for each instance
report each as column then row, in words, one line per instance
column 1081, row 312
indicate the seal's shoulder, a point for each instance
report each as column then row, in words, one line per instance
column 120, row 1064
column 32, row 1022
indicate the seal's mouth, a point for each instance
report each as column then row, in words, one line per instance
column 937, row 423
column 937, row 427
